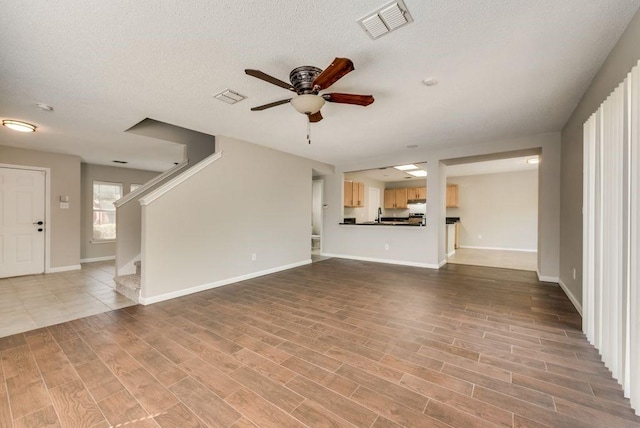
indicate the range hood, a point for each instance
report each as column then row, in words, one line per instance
column 416, row 201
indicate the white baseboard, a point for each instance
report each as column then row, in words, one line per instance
column 393, row 262
column 543, row 278
column 63, row 269
column 442, row 263
column 451, row 253
column 215, row 284
column 499, row 248
column 97, row 259
column 571, row 297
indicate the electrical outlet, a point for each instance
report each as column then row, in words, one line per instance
column 386, row 247
column 574, row 274
column 253, row 257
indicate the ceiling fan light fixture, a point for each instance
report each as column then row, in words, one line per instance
column 307, row 103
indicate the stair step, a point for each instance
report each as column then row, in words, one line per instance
column 129, row 286
column 138, row 265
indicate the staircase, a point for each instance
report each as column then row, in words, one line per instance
column 129, row 285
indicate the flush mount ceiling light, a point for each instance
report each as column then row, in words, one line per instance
column 533, row 161
column 16, row 125
column 418, row 173
column 307, row 103
column 406, row 167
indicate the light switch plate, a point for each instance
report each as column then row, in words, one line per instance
column 64, row 205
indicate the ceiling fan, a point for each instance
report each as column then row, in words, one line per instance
column 307, row 82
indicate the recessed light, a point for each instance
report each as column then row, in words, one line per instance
column 405, row 167
column 533, row 161
column 16, row 125
column 119, row 161
column 418, row 173
column 430, row 82
column 44, row 107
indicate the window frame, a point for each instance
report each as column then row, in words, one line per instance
column 94, row 239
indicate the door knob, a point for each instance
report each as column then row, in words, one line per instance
column 39, row 223
column 40, row 229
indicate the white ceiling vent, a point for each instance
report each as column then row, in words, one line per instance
column 229, row 96
column 387, row 18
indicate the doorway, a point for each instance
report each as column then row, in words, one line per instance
column 316, row 217
column 22, row 229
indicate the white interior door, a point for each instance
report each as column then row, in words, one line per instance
column 374, row 203
column 21, row 209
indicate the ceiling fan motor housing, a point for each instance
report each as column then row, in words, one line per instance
column 302, row 78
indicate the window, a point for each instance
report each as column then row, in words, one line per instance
column 133, row 187
column 104, row 212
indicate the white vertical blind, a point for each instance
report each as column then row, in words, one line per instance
column 611, row 233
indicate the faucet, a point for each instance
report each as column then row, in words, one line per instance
column 379, row 215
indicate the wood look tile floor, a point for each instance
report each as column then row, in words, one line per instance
column 336, row 343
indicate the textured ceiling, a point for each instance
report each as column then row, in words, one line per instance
column 505, row 68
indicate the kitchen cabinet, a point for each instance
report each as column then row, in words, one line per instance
column 417, row 193
column 395, row 198
column 452, row 196
column 353, row 194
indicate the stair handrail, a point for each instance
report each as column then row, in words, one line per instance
column 155, row 194
column 149, row 184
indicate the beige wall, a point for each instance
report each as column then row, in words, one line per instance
column 90, row 173
column 620, row 61
column 498, row 210
column 203, row 232
column 64, row 226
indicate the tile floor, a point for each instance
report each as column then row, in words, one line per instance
column 34, row 301
column 520, row 260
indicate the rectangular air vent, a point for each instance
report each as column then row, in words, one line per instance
column 387, row 18
column 229, row 96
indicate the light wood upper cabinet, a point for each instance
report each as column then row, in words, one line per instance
column 452, row 196
column 417, row 193
column 395, row 198
column 353, row 194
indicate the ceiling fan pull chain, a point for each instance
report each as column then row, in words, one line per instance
column 309, row 131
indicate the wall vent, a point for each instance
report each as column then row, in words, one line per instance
column 386, row 19
column 229, row 96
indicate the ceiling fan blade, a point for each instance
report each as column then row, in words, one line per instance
column 336, row 71
column 361, row 100
column 264, row 76
column 315, row 117
column 273, row 104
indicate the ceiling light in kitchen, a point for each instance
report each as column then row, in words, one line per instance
column 406, row 167
column 19, row 126
column 418, row 173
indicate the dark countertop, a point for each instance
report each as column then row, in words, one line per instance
column 384, row 223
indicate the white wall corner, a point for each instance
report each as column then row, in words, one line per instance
column 571, row 297
column 215, row 284
column 442, row 263
column 543, row 278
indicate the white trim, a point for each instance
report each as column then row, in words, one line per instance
column 155, row 180
column 571, row 297
column 63, row 269
column 451, row 253
column 543, row 278
column 175, row 181
column 47, row 208
column 499, row 248
column 210, row 285
column 393, row 262
column 102, row 241
column 442, row 263
column 97, row 259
